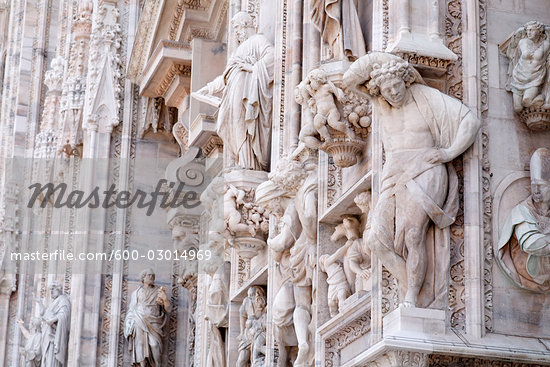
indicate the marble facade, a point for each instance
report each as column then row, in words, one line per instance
column 370, row 181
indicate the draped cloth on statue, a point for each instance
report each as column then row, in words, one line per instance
column 244, row 117
column 519, row 248
column 33, row 349
column 55, row 338
column 425, row 182
column 143, row 326
column 216, row 316
column 338, row 22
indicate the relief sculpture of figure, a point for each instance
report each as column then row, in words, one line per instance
column 529, row 54
column 338, row 286
column 422, row 130
column 338, row 22
column 252, row 323
column 145, row 320
column 524, row 242
column 244, row 116
column 292, row 188
column 216, row 318
column 55, row 333
column 33, row 339
column 318, row 93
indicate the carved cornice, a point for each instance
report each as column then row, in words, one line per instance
column 148, row 21
column 213, row 144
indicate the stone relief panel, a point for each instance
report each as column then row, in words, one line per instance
column 415, row 256
column 528, row 49
column 523, row 247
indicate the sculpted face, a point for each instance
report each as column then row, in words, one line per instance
column 149, row 278
column 55, row 292
column 540, row 191
column 242, row 32
column 393, row 89
column 533, row 32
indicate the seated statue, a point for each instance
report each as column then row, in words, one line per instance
column 524, row 242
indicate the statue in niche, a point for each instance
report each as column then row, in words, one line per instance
column 252, row 321
column 529, row 52
column 232, row 198
column 291, row 195
column 338, row 22
column 338, row 286
column 145, row 320
column 244, row 116
column 55, row 333
column 422, row 130
column 524, row 242
column 318, row 94
column 356, row 259
column 33, row 340
column 216, row 318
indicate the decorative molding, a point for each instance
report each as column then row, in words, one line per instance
column 346, row 335
column 175, row 69
column 213, row 144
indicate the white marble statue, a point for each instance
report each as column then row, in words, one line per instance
column 244, row 116
column 293, row 188
column 528, row 77
column 56, row 327
column 144, row 322
column 422, row 130
column 33, row 339
column 524, row 242
column 252, row 322
column 317, row 93
column 356, row 258
column 338, row 287
column 338, row 22
column 216, row 317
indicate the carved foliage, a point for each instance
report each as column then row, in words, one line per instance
column 345, row 336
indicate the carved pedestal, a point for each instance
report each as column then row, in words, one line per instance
column 414, row 321
column 536, row 118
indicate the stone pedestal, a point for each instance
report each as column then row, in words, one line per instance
column 413, row 321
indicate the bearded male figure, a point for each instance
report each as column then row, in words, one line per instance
column 145, row 320
column 422, row 130
column 57, row 324
column 292, row 188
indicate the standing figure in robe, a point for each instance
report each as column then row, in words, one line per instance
column 338, row 22
column 244, row 116
column 144, row 322
column 57, row 323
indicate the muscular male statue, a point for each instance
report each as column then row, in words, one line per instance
column 422, row 129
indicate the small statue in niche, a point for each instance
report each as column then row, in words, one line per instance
column 528, row 52
column 232, row 199
column 55, row 334
column 356, row 260
column 524, row 242
column 145, row 320
column 252, row 322
column 338, row 286
column 33, row 340
column 319, row 94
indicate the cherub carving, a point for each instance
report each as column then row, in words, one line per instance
column 317, row 93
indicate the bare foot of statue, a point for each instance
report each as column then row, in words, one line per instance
column 301, row 359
